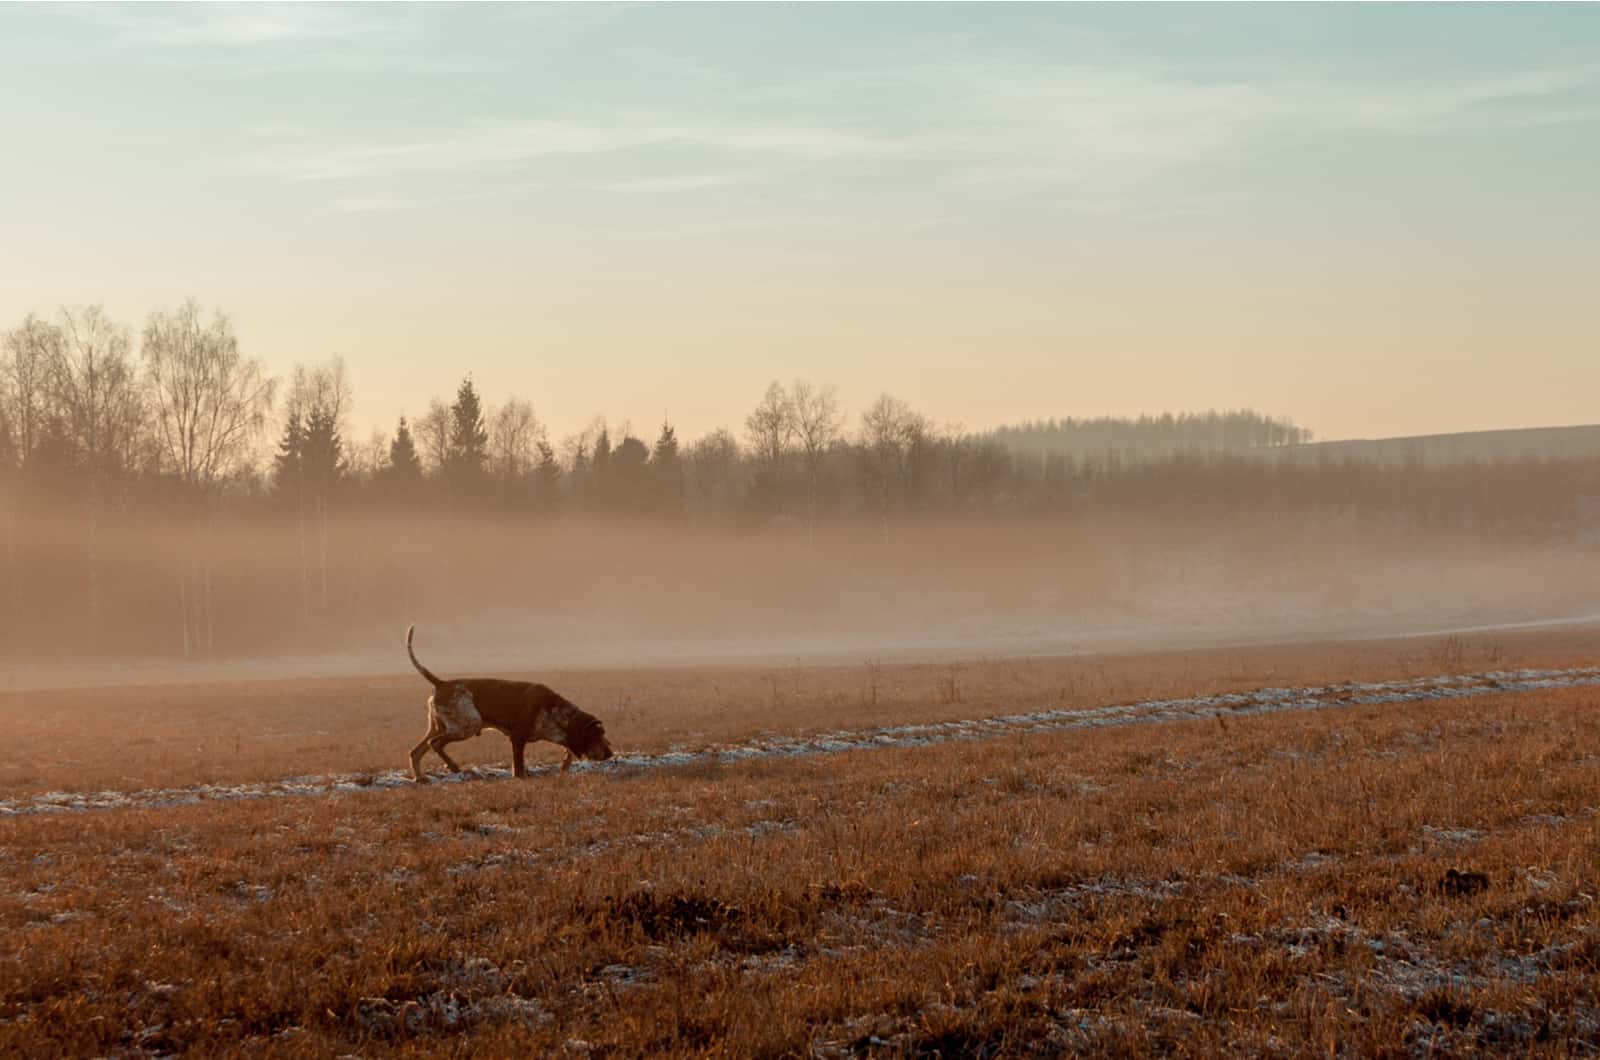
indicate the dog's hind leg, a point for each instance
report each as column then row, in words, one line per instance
column 434, row 729
column 438, row 743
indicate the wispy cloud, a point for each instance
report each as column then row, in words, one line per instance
column 228, row 25
column 500, row 143
column 945, row 118
column 676, row 182
column 356, row 204
column 265, row 38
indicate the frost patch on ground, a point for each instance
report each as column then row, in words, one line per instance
column 1054, row 904
column 672, row 837
column 1229, row 704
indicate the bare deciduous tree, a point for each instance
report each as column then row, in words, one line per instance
column 32, row 352
column 514, row 434
column 433, row 429
column 29, row 357
column 369, row 459
column 711, row 468
column 889, row 429
column 814, row 423
column 208, row 406
column 769, row 426
column 209, row 403
column 97, row 391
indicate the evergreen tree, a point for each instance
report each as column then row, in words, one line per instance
column 405, row 466
column 666, row 450
column 600, row 488
column 469, row 439
column 547, row 477
column 8, row 446
column 666, row 471
column 287, row 462
column 628, row 475
column 322, row 448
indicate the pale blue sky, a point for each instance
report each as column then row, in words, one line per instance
column 1375, row 219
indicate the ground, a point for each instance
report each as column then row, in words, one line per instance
column 979, row 857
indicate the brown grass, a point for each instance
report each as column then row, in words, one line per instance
column 134, row 737
column 1262, row 885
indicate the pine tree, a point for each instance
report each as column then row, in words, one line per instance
column 547, row 478
column 322, row 449
column 287, row 462
column 9, row 452
column 628, row 476
column 600, row 485
column 405, row 466
column 469, row 438
column 666, row 449
column 666, row 472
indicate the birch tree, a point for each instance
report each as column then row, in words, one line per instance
column 814, row 423
column 29, row 357
column 97, row 392
column 769, row 428
column 514, row 435
column 889, row 430
column 208, row 407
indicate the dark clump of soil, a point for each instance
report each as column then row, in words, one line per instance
column 672, row 915
column 1443, row 1008
column 1457, row 883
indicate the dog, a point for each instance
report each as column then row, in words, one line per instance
column 524, row 711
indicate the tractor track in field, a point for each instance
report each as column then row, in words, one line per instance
column 779, row 746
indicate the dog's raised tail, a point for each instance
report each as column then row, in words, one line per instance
column 421, row 669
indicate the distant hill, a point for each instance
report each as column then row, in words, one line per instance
column 1150, row 436
column 1544, row 443
column 1247, row 432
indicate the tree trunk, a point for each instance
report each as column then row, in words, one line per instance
column 811, row 511
column 211, row 625
column 13, row 564
column 94, row 565
column 209, row 560
column 322, row 547
column 183, row 605
column 305, row 574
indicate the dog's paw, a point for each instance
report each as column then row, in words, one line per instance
column 418, row 778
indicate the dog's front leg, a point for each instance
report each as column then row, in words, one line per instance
column 566, row 763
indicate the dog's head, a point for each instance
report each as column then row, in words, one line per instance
column 586, row 738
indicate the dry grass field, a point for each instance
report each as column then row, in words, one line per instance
column 1384, row 879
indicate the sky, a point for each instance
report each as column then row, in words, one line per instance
column 1373, row 219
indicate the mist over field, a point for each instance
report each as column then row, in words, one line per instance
column 927, row 547
column 170, row 507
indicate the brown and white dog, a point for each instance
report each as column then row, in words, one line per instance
column 524, row 711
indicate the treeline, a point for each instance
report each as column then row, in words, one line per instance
column 1151, row 435
column 164, row 492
